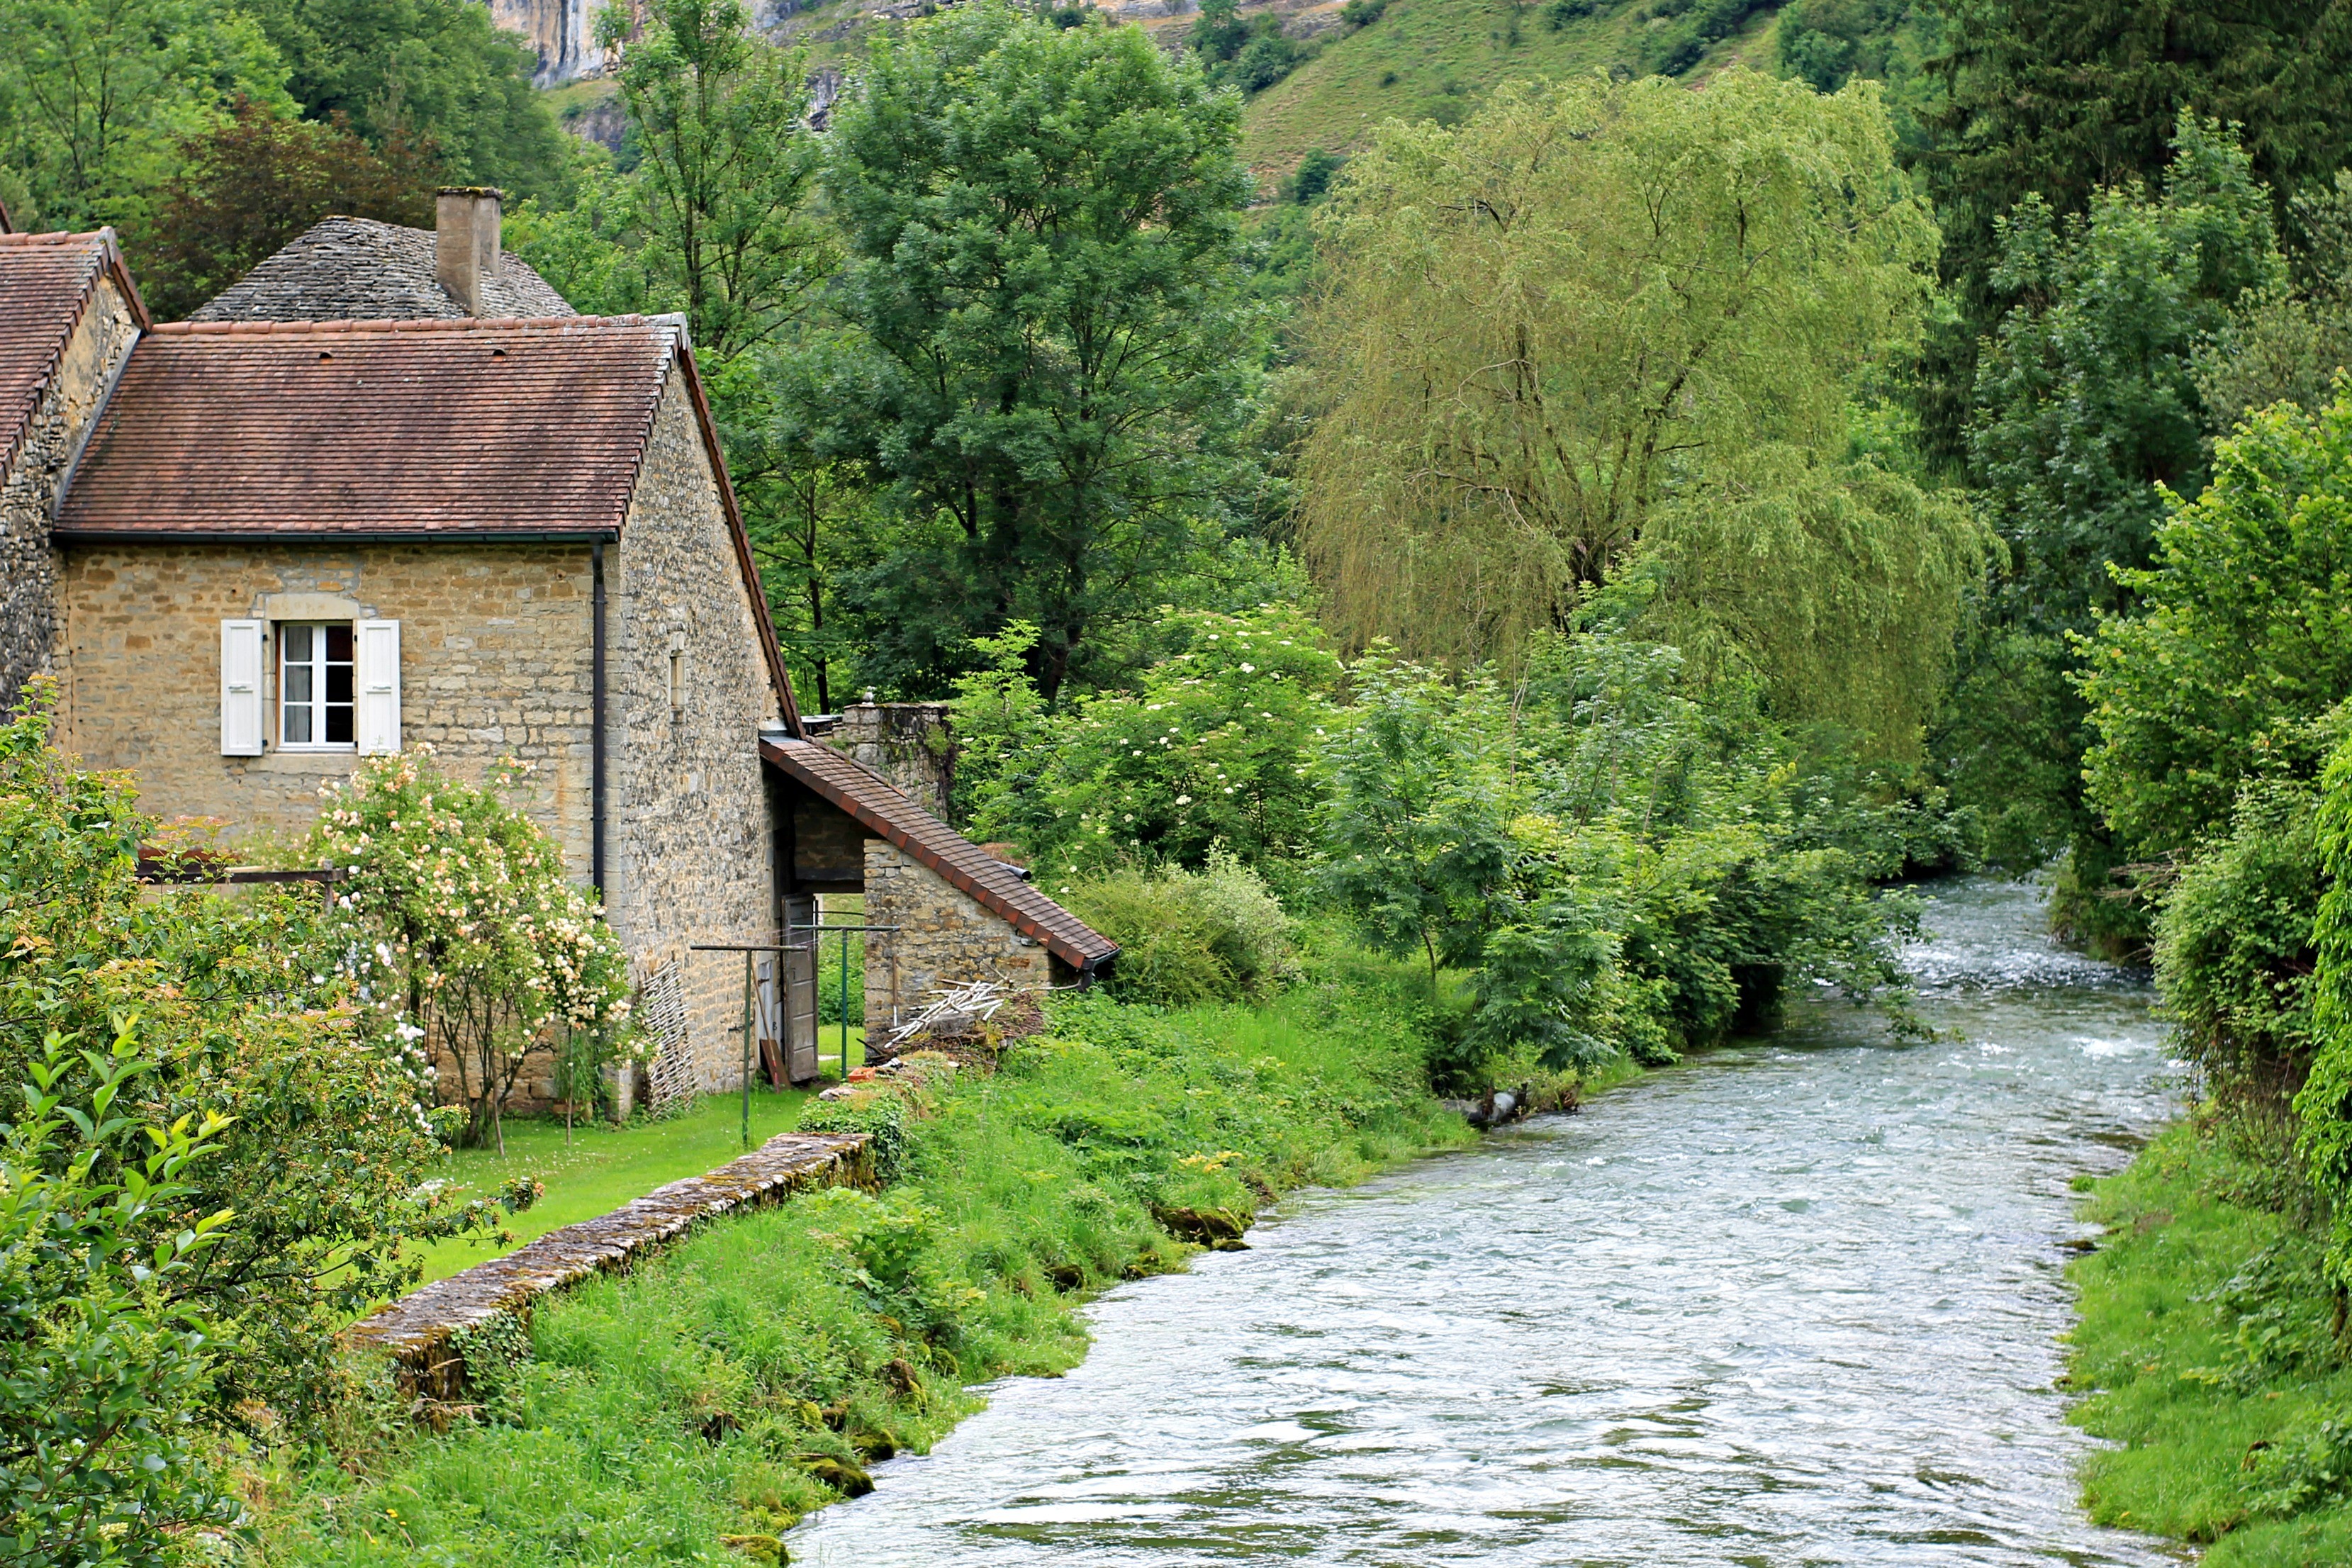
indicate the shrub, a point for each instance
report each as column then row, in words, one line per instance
column 477, row 936
column 104, row 1359
column 1214, row 747
column 1190, row 937
column 248, row 1017
column 1356, row 14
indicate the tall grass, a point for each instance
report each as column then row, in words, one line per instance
column 727, row 1387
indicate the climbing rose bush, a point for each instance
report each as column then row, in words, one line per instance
column 463, row 928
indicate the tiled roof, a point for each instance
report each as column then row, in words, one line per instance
column 45, row 285
column 375, row 428
column 880, row 809
column 357, row 269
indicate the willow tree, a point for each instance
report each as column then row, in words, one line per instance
column 1601, row 320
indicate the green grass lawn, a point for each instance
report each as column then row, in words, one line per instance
column 601, row 1166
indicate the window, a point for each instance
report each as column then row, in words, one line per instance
column 315, row 686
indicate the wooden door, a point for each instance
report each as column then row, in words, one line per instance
column 800, row 1002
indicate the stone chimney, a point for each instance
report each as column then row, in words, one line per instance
column 466, row 242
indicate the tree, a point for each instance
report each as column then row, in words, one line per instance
column 1599, row 321
column 725, row 162
column 2086, row 403
column 2067, row 100
column 1054, row 360
column 94, row 95
column 436, row 71
column 251, row 181
column 2240, row 646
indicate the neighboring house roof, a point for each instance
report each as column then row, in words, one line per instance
column 403, row 431
column 357, row 269
column 879, row 807
column 45, row 283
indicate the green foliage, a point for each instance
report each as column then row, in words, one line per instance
column 2242, row 643
column 711, row 222
column 437, row 72
column 2062, row 101
column 465, row 923
column 744, row 1377
column 254, row 180
column 2233, row 946
column 882, row 1117
column 246, row 1012
column 1626, row 870
column 2086, row 403
column 2287, row 343
column 1596, row 307
column 104, row 1360
column 2325, row 1102
column 2207, row 1356
column 1214, row 747
column 95, row 95
column 1189, row 937
column 1053, row 361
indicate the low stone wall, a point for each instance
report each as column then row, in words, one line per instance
column 416, row 1331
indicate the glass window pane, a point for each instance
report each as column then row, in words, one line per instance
column 298, row 683
column 298, row 643
column 298, row 726
column 338, row 642
column 339, row 723
column 339, row 683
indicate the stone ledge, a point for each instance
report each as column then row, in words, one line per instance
column 415, row 1329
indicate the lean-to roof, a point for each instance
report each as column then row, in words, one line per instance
column 877, row 807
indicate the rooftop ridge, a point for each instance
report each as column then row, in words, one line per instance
column 404, row 324
column 91, row 237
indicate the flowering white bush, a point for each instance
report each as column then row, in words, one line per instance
column 465, row 929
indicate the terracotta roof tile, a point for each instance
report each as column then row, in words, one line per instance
column 46, row 281
column 410, row 428
column 880, row 808
column 355, row 268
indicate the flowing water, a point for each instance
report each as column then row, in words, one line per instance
column 1797, row 1302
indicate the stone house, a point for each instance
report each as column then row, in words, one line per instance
column 253, row 547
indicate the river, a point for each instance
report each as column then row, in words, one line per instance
column 1795, row 1302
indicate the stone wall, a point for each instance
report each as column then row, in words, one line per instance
column 909, row 743
column 494, row 656
column 692, row 846
column 496, row 662
column 29, row 583
column 944, row 937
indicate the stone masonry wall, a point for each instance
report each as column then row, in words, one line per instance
column 909, row 743
column 692, row 843
column 944, row 937
column 28, row 579
column 494, row 656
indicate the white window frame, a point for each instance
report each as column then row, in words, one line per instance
column 319, row 704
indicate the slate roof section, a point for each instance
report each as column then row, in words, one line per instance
column 45, row 284
column 375, row 429
column 879, row 807
column 357, row 269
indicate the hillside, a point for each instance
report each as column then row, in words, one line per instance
column 1435, row 58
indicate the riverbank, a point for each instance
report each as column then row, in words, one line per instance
column 2206, row 1350
column 694, row 1409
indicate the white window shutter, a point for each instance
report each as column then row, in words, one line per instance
column 241, row 688
column 378, row 674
